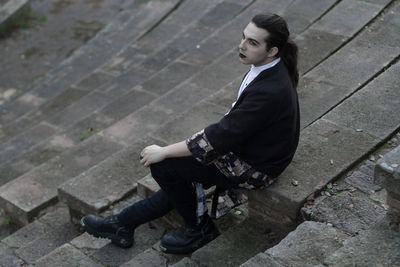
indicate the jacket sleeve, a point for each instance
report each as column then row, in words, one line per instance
column 201, row 148
column 257, row 111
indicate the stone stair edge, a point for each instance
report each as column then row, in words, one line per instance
column 118, row 98
column 56, row 71
column 72, row 126
column 127, row 46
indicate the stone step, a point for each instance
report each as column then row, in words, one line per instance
column 118, row 175
column 42, row 181
column 10, row 13
column 40, row 237
column 308, row 245
column 88, row 249
column 110, row 75
column 239, row 243
column 91, row 56
column 376, row 246
column 77, row 111
column 319, row 159
column 158, row 104
column 106, row 107
column 334, row 29
column 350, row 68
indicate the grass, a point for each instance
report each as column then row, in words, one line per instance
column 25, row 19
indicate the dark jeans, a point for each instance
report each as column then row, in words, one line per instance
column 175, row 177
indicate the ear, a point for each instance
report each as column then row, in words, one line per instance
column 273, row 51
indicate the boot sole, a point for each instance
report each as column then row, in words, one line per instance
column 115, row 239
column 190, row 248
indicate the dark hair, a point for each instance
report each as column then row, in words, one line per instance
column 279, row 37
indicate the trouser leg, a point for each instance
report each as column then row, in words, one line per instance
column 176, row 176
column 153, row 207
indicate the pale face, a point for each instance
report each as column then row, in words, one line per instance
column 253, row 48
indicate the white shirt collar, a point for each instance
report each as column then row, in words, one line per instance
column 253, row 73
column 257, row 70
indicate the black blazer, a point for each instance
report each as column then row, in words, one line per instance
column 263, row 126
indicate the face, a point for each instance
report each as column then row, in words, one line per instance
column 253, row 48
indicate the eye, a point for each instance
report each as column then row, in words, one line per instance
column 252, row 42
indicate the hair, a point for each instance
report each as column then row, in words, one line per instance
column 278, row 37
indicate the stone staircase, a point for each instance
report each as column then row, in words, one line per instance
column 156, row 76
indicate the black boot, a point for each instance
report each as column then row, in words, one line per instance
column 109, row 228
column 187, row 239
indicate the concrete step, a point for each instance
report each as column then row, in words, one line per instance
column 86, row 249
column 42, row 182
column 345, row 220
column 118, row 176
column 308, row 245
column 319, row 159
column 350, row 68
column 334, row 29
column 239, row 243
column 40, row 237
column 111, row 74
column 88, row 58
column 158, row 104
column 99, row 109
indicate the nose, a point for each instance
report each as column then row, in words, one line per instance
column 241, row 44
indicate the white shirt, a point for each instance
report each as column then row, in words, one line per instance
column 252, row 74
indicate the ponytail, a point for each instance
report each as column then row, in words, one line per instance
column 278, row 37
column 289, row 54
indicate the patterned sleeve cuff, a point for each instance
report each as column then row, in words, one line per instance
column 201, row 148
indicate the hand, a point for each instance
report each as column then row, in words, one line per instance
column 152, row 154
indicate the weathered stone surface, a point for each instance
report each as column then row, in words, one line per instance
column 346, row 212
column 86, row 242
column 151, row 117
column 226, row 95
column 314, row 46
column 169, row 77
column 220, row 73
column 238, row 244
column 67, row 256
column 379, row 246
column 363, row 182
column 117, row 176
column 50, row 240
column 387, row 171
column 351, row 66
column 318, row 160
column 185, row 262
column 148, row 258
column 299, row 15
column 194, row 120
column 42, row 182
column 372, row 109
column 10, row 13
column 126, row 104
column 25, row 235
column 7, row 258
column 145, row 236
column 147, row 186
column 261, row 259
column 79, row 109
column 308, row 245
column 348, row 17
column 94, row 80
column 25, row 141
